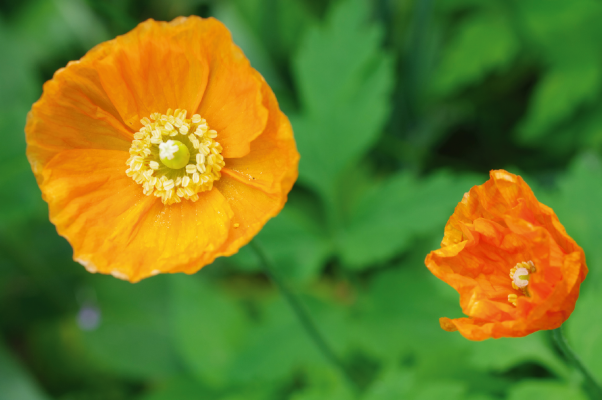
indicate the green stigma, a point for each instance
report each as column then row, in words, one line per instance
column 174, row 154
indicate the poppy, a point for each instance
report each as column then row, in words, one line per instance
column 160, row 150
column 516, row 269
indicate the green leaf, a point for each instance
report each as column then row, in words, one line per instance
column 441, row 390
column 15, row 381
column 560, row 31
column 563, row 89
column 19, row 85
column 280, row 346
column 295, row 242
column 208, row 327
column 584, row 330
column 397, row 320
column 402, row 207
column 133, row 338
column 577, row 203
column 506, row 353
column 344, row 79
column 484, row 44
column 248, row 40
column 395, row 383
column 324, row 383
column 49, row 27
column 179, row 389
column 392, row 384
column 549, row 390
column 277, row 24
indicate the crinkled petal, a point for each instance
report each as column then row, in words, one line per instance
column 271, row 166
column 257, row 185
column 156, row 66
column 192, row 64
column 494, row 227
column 74, row 113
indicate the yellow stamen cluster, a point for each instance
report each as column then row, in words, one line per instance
column 520, row 273
column 174, row 184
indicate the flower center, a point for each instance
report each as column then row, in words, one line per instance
column 520, row 275
column 175, row 158
column 174, row 154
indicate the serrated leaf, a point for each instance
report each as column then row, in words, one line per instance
column 549, row 390
column 577, row 204
column 398, row 320
column 208, row 328
column 506, row 353
column 324, row 383
column 484, row 43
column 402, row 207
column 559, row 93
column 248, row 40
column 441, row 390
column 49, row 27
column 19, row 88
column 344, row 79
column 179, row 389
column 280, row 346
column 132, row 338
column 584, row 330
column 277, row 24
column 15, row 381
column 391, row 384
column 296, row 243
column 565, row 31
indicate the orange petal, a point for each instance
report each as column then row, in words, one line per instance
column 74, row 113
column 495, row 226
column 152, row 68
column 257, row 184
column 114, row 228
column 271, row 165
column 252, row 209
column 447, row 324
column 232, row 103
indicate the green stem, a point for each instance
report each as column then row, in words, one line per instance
column 302, row 315
column 594, row 388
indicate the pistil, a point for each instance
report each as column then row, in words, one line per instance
column 520, row 276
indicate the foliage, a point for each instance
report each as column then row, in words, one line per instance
column 398, row 107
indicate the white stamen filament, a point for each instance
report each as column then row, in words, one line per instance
column 519, row 276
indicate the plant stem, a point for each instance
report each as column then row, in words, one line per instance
column 302, row 315
column 594, row 388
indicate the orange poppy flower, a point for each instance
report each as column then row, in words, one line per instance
column 160, row 150
column 515, row 267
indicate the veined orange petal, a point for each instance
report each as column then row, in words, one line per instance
column 262, row 179
column 74, row 113
column 273, row 154
column 114, row 228
column 232, row 102
column 152, row 69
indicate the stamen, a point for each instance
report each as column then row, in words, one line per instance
column 175, row 158
column 520, row 275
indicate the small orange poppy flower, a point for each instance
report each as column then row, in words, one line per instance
column 511, row 260
column 160, row 150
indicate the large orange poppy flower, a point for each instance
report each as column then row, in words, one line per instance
column 160, row 150
column 512, row 262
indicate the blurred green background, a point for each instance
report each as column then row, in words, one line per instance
column 398, row 107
